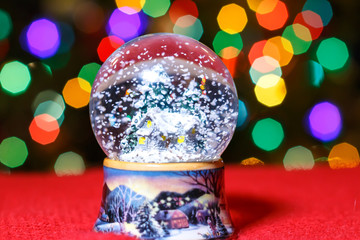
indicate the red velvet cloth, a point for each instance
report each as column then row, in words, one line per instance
column 265, row 203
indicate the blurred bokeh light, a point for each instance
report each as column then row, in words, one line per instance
column 343, row 155
column 6, row 24
column 44, row 129
column 332, row 53
column 43, row 38
column 321, row 7
column 262, row 6
column 194, row 30
column 69, row 163
column 125, row 26
column 243, row 114
column 181, row 8
column 130, row 6
column 293, row 61
column 299, row 37
column 156, row 8
column 262, row 66
column 316, row 73
column 268, row 134
column 280, row 49
column 107, row 46
column 252, row 162
column 270, row 90
column 77, row 92
column 275, row 19
column 227, row 45
column 232, row 18
column 311, row 21
column 325, row 121
column 298, row 158
column 13, row 152
column 88, row 72
column 15, row 77
column 89, row 17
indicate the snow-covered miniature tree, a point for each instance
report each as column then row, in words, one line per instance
column 129, row 143
column 146, row 223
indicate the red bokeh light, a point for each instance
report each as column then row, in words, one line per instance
column 231, row 65
column 275, row 19
column 181, row 8
column 312, row 21
column 44, row 129
column 107, row 46
column 256, row 51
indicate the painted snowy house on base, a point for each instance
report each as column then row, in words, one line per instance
column 202, row 216
column 173, row 219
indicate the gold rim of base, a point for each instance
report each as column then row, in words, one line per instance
column 188, row 166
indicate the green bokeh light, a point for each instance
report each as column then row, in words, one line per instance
column 13, row 152
column 52, row 108
column 48, row 95
column 316, row 73
column 156, row 8
column 299, row 45
column 268, row 134
column 298, row 158
column 5, row 24
column 15, row 77
column 88, row 72
column 69, row 163
column 194, row 31
column 332, row 53
column 223, row 40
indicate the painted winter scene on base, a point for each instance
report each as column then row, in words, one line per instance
column 164, row 204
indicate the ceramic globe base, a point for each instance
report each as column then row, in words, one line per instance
column 164, row 201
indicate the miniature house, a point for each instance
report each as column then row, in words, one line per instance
column 174, row 219
column 202, row 216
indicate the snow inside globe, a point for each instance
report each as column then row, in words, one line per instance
column 163, row 98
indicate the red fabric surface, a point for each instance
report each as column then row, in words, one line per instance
column 265, row 203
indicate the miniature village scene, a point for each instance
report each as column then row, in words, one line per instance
column 134, row 203
column 163, row 110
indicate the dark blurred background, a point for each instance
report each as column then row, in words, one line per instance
column 308, row 51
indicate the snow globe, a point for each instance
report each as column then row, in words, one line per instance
column 163, row 108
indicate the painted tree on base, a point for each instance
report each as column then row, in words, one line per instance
column 165, row 228
column 221, row 227
column 146, row 224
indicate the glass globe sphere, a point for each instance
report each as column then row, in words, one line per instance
column 163, row 98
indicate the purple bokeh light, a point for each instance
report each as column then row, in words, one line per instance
column 325, row 121
column 126, row 26
column 43, row 38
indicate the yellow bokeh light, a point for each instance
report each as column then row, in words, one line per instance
column 280, row 49
column 343, row 155
column 229, row 52
column 270, row 90
column 232, row 18
column 76, row 92
column 252, row 162
column 262, row 6
column 302, row 32
column 130, row 6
